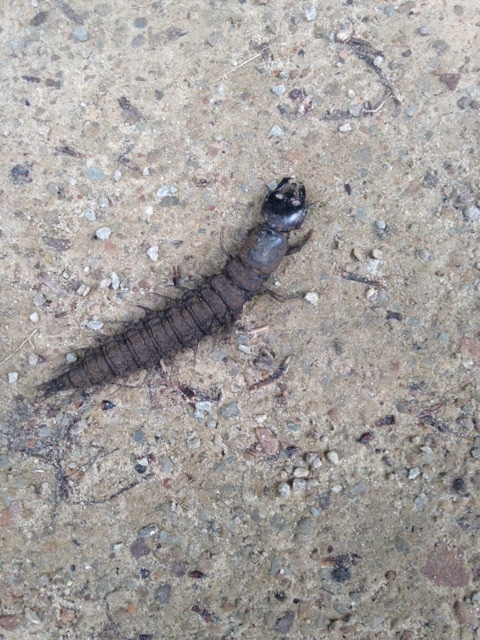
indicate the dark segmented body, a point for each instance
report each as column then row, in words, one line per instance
column 200, row 312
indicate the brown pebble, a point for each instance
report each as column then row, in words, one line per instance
column 67, row 615
column 450, row 80
column 407, row 635
column 268, row 441
column 462, row 613
column 9, row 623
column 390, row 575
column 446, row 568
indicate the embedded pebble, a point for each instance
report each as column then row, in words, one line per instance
column 95, row 325
column 381, row 224
column 268, row 441
column 425, row 30
column 355, row 110
column 413, row 473
column 299, row 484
column 166, row 190
column 33, row 360
column 332, row 456
column 284, row 489
column 378, row 61
column 410, row 111
column 39, row 299
column 230, row 410
column 310, row 13
column 300, row 473
column 34, row 317
column 117, row 175
column 471, row 213
column 80, row 34
column 276, row 131
column 103, row 233
column 152, row 253
column 71, row 357
column 279, row 89
column 105, row 283
column 90, row 215
column 345, row 128
column 12, row 377
column 31, row 616
column 312, row 297
column 475, row 453
column 103, row 202
column 94, row 173
column 316, row 463
column 148, row 531
column 115, row 280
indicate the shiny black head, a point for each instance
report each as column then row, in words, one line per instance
column 284, row 208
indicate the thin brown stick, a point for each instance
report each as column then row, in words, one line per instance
column 19, row 347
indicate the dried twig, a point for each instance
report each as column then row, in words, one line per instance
column 27, row 339
column 242, row 64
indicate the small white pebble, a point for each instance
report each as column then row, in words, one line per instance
column 94, row 324
column 166, row 190
column 146, row 171
column 71, row 357
column 332, row 456
column 310, row 13
column 115, row 281
column 152, row 253
column 345, row 128
column 475, row 453
column 381, row 224
column 471, row 213
column 34, row 317
column 66, row 275
column 377, row 254
column 351, row 94
column 337, row 488
column 105, row 283
column 425, row 30
column 103, row 233
column 298, row 485
column 117, row 175
column 284, row 489
column 316, row 463
column 312, row 297
column 276, row 131
column 413, row 473
column 300, row 473
column 12, row 377
column 148, row 210
column 261, row 418
column 279, row 89
column 378, row 61
column 245, row 349
column 371, row 293
column 32, row 360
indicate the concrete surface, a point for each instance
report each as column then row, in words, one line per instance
column 342, row 499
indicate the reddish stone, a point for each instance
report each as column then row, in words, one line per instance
column 445, row 567
column 9, row 623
